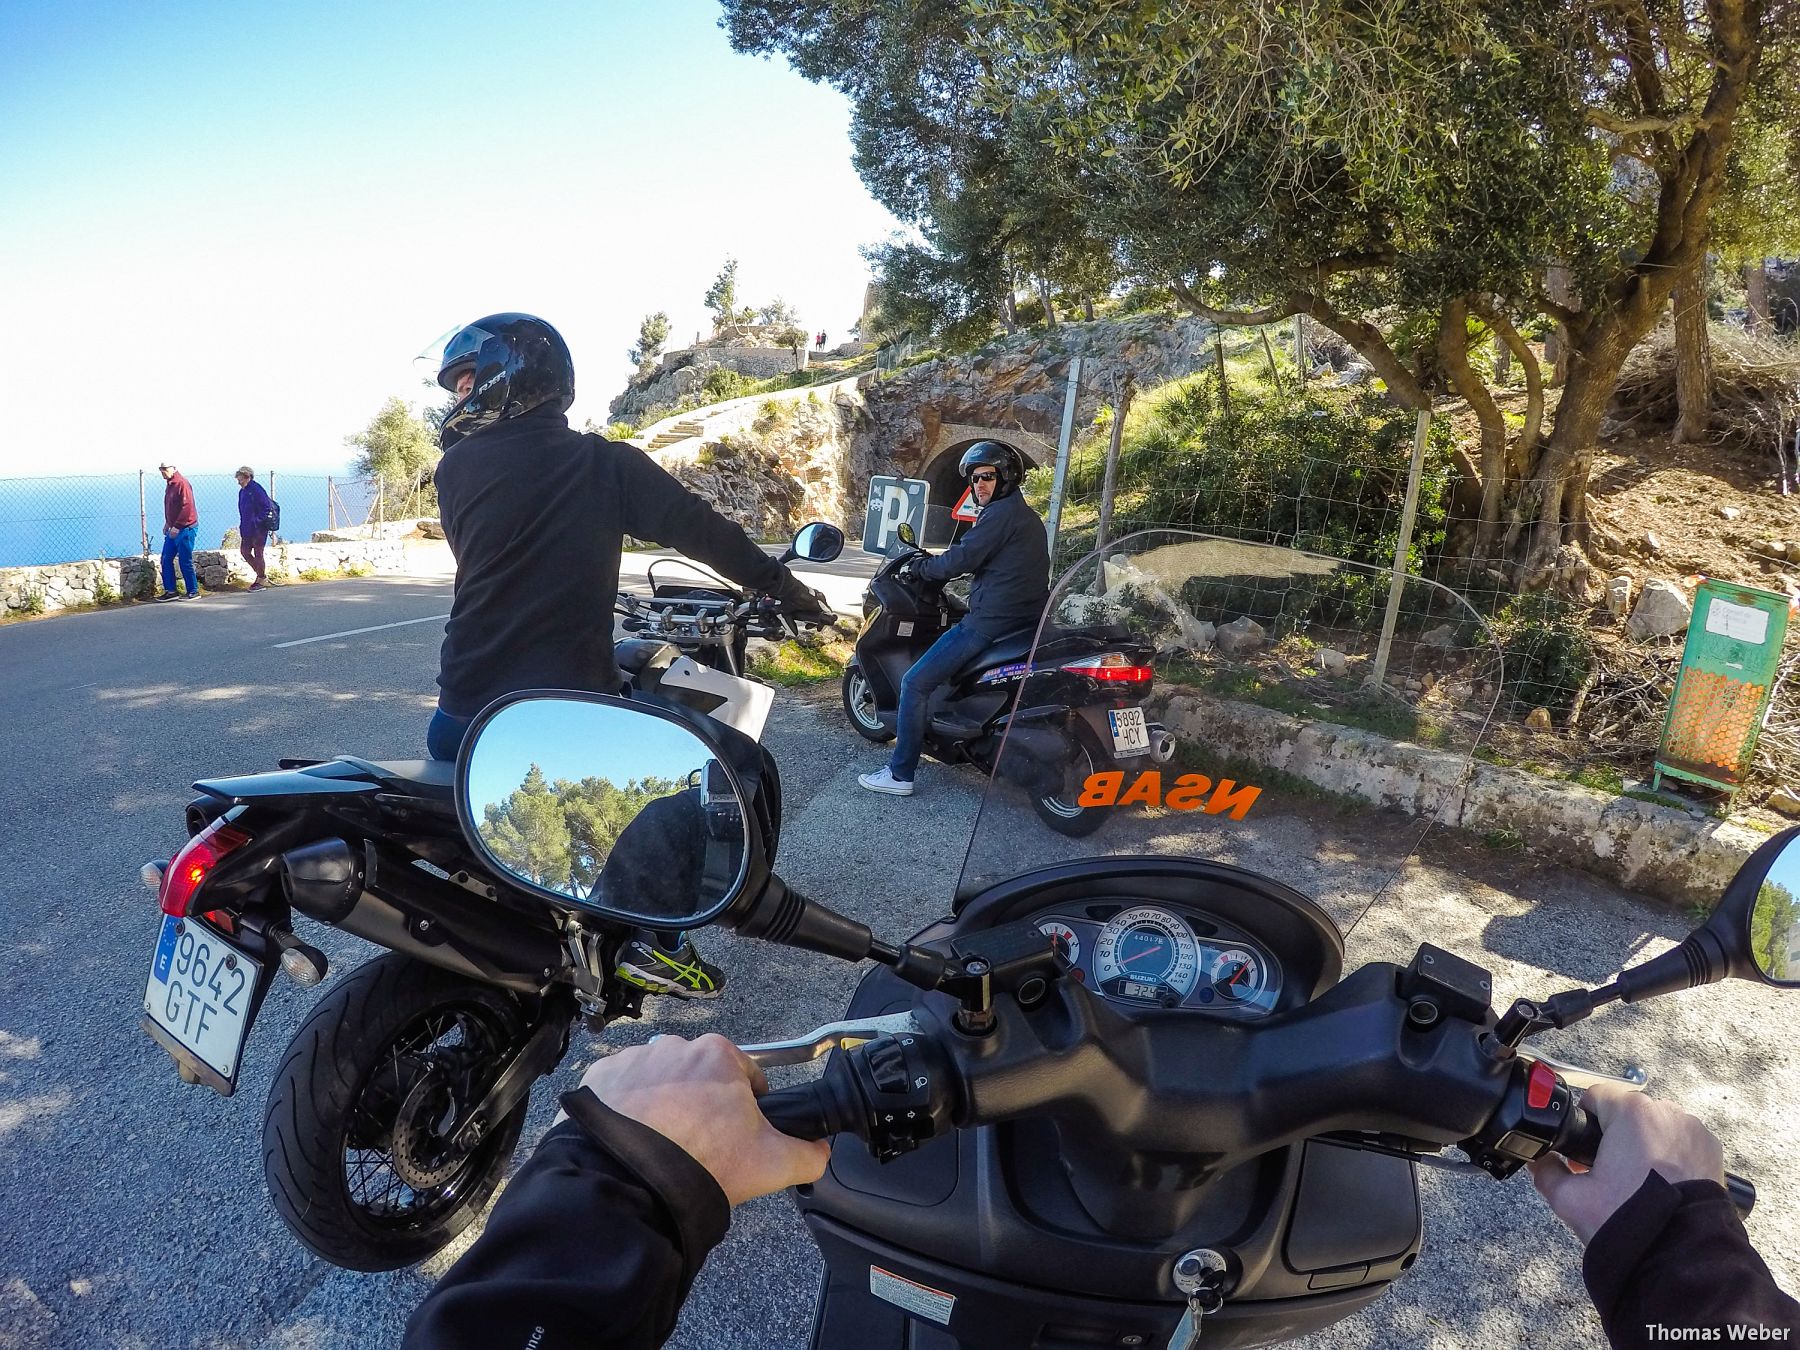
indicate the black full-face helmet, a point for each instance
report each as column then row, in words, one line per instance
column 519, row 363
column 1003, row 459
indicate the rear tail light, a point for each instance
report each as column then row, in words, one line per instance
column 191, row 867
column 1115, row 667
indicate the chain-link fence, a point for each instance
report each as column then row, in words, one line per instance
column 70, row 519
column 1260, row 446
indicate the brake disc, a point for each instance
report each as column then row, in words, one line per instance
column 422, row 1153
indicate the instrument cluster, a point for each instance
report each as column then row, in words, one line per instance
column 1159, row 956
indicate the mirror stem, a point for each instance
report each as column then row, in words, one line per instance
column 1699, row 959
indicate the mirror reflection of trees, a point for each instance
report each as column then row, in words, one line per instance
column 558, row 834
column 1775, row 932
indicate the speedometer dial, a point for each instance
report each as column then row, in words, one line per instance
column 1147, row 954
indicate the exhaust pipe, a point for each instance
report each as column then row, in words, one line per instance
column 1162, row 743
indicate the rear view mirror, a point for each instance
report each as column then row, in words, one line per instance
column 1775, row 917
column 612, row 806
column 818, row 542
column 907, row 534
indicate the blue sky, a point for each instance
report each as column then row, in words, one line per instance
column 228, row 229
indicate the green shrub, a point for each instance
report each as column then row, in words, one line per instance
column 358, row 568
column 34, row 602
column 619, row 431
column 1319, row 470
column 723, row 383
column 315, row 574
column 104, row 594
column 1548, row 651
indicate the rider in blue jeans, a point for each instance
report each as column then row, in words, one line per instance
column 1009, row 555
column 181, row 522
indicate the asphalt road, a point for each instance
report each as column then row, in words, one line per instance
column 132, row 1210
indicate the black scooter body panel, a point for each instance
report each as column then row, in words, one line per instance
column 989, row 1217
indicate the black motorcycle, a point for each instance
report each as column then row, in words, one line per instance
column 1112, row 1099
column 706, row 617
column 397, row 1105
column 1084, row 711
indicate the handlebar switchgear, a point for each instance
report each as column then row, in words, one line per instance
column 893, row 1093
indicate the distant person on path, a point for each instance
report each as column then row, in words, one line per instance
column 181, row 521
column 820, row 341
column 253, row 523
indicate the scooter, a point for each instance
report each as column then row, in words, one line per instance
column 1071, row 699
column 1131, row 1098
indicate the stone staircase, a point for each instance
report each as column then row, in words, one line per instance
column 681, row 431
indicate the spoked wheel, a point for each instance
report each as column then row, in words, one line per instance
column 1060, row 808
column 860, row 707
column 357, row 1142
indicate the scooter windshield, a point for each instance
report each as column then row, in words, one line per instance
column 1191, row 696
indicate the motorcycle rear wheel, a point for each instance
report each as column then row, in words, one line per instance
column 356, row 1146
column 1061, row 809
column 860, row 707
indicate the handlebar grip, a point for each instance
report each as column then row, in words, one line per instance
column 1580, row 1141
column 799, row 1112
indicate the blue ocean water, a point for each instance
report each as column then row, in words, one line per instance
column 53, row 520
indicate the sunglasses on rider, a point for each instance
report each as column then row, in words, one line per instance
column 989, row 477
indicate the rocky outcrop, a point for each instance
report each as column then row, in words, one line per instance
column 787, row 465
column 1020, row 383
column 751, row 352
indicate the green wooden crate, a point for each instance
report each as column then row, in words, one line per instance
column 1722, row 689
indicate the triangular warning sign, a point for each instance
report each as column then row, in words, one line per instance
column 965, row 508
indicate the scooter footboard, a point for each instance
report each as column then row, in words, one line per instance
column 874, row 1296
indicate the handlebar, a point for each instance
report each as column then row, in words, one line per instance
column 904, row 1086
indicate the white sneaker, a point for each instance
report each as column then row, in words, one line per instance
column 883, row 780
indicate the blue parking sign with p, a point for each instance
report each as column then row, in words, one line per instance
column 894, row 502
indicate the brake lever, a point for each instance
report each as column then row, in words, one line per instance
column 1575, row 1076
column 832, row 1036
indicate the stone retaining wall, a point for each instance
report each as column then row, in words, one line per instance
column 1657, row 850
column 61, row 585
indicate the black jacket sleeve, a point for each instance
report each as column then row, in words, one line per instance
column 594, row 1244
column 1677, row 1256
column 655, row 506
column 970, row 553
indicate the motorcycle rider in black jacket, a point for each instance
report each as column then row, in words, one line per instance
column 536, row 514
column 600, row 1234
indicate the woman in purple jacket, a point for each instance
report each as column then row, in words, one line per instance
column 254, row 509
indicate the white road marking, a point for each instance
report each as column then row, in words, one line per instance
column 352, row 632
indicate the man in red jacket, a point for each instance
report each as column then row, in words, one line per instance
column 181, row 522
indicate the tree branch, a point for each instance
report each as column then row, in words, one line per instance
column 1527, row 445
column 1607, row 120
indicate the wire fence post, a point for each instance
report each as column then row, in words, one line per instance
column 143, row 515
column 1062, row 452
column 1378, row 675
column 1121, row 406
column 1300, row 361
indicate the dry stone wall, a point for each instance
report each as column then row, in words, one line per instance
column 66, row 585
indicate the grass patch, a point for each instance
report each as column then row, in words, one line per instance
column 794, row 665
column 316, row 574
column 359, row 569
column 1504, row 841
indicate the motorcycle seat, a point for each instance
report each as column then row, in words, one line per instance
column 1015, row 646
column 430, row 778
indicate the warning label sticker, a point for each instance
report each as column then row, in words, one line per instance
column 1743, row 622
column 921, row 1300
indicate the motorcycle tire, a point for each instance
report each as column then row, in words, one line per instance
column 1059, row 810
column 860, row 707
column 354, row 1141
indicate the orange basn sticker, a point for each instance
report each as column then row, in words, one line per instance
column 1188, row 792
